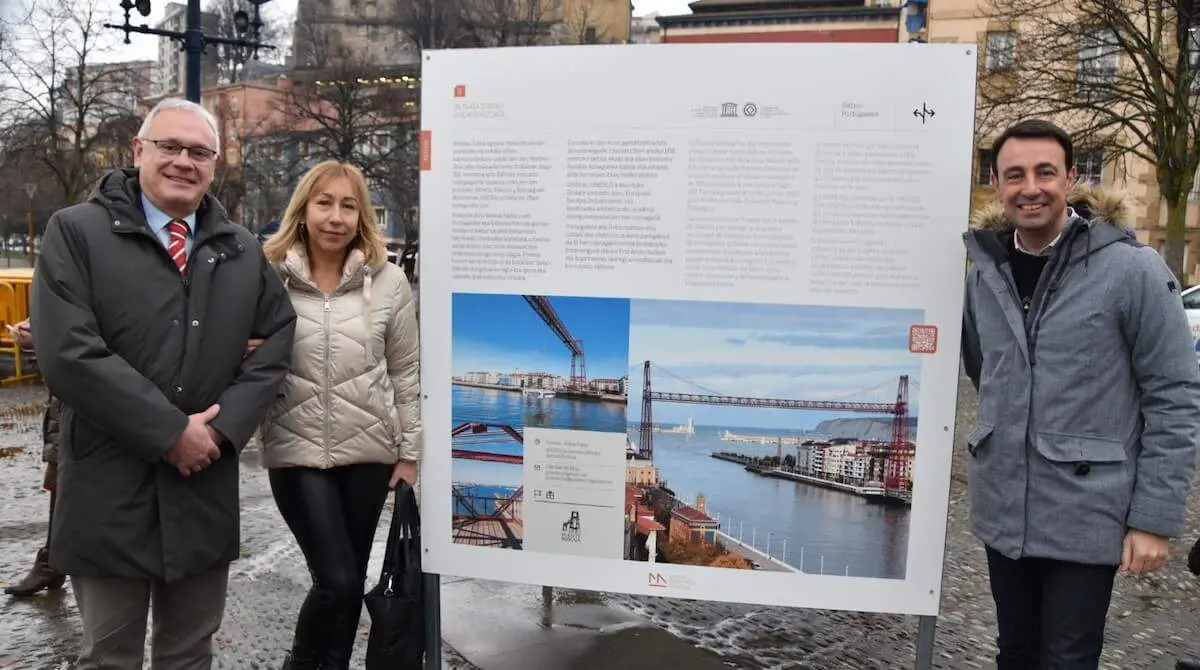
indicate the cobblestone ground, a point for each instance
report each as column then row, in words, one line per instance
column 266, row 587
column 1152, row 619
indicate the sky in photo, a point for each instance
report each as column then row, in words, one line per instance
column 768, row 351
column 502, row 333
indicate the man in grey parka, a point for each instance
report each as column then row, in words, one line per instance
column 1075, row 336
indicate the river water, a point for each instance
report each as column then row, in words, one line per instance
column 808, row 527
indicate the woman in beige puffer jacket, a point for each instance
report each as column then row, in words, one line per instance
column 346, row 426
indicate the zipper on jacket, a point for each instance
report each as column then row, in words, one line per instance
column 328, row 408
column 1047, row 285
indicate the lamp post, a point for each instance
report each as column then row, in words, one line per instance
column 30, row 189
column 193, row 38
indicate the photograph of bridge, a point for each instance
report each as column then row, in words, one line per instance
column 780, row 437
column 518, row 361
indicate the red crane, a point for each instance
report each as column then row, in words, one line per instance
column 544, row 309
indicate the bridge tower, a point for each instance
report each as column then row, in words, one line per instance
column 899, row 446
column 646, row 430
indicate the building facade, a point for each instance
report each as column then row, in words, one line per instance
column 966, row 21
column 858, row 21
column 378, row 32
column 172, row 61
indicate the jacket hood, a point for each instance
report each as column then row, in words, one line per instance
column 355, row 271
column 120, row 192
column 1101, row 216
column 1097, row 204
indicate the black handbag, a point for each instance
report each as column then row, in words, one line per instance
column 397, row 603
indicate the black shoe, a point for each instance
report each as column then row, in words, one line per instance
column 303, row 662
column 1187, row 664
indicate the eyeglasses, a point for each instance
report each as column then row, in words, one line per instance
column 173, row 148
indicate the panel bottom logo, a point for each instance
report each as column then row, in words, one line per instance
column 665, row 581
column 570, row 529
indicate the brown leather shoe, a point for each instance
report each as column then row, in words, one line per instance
column 40, row 578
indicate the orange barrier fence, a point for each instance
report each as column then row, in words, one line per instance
column 14, row 308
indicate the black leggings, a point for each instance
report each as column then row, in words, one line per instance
column 333, row 514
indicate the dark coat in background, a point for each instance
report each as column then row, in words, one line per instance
column 132, row 348
column 50, row 430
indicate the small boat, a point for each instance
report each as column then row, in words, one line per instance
column 537, row 393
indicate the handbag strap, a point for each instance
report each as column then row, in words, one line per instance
column 405, row 526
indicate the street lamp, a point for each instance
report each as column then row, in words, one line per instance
column 193, row 38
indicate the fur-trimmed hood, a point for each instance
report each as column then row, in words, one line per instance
column 1090, row 202
column 1101, row 220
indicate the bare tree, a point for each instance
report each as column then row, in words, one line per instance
column 448, row 24
column 22, row 172
column 1121, row 75
column 347, row 109
column 59, row 86
column 495, row 23
column 232, row 60
column 433, row 24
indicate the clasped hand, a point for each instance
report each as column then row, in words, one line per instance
column 1143, row 552
column 199, row 445
column 197, row 448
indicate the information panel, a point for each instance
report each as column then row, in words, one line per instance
column 690, row 317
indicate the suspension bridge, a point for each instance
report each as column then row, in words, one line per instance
column 890, row 454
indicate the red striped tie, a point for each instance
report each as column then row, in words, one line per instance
column 178, row 230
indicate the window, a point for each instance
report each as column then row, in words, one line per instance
column 1190, row 300
column 381, row 216
column 1001, row 52
column 1089, row 163
column 983, row 174
column 1098, row 61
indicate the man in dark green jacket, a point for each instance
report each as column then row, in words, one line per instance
column 144, row 300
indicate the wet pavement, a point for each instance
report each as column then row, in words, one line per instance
column 498, row 626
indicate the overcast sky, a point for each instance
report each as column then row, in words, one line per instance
column 145, row 47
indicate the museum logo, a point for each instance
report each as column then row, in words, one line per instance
column 571, row 530
column 659, row 580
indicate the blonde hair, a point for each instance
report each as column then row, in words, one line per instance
column 369, row 238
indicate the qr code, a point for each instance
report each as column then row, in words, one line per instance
column 922, row 339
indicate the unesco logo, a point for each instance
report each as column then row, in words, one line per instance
column 729, row 110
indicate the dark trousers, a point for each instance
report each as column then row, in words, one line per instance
column 1050, row 614
column 333, row 514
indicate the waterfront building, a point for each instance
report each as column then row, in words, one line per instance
column 693, row 523
column 640, row 472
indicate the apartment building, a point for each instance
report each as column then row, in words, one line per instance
column 172, row 61
column 837, row 21
column 967, row 21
